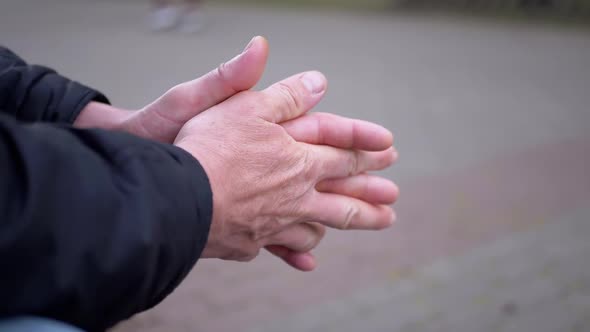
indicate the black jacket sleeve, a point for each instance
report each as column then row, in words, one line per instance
column 95, row 226
column 36, row 93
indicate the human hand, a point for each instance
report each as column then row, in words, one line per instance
column 336, row 131
column 162, row 119
column 265, row 183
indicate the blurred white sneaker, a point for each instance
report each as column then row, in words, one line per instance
column 191, row 22
column 164, row 18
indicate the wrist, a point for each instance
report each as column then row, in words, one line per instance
column 99, row 115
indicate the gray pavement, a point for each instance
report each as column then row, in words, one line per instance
column 493, row 124
column 530, row 281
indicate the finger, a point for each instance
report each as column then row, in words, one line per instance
column 301, row 237
column 342, row 212
column 339, row 163
column 292, row 97
column 303, row 261
column 369, row 188
column 239, row 74
column 340, row 132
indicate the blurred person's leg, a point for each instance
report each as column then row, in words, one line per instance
column 164, row 15
column 192, row 20
column 34, row 324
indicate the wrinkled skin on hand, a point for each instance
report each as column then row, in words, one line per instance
column 163, row 119
column 264, row 181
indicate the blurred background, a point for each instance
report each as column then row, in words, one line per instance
column 490, row 104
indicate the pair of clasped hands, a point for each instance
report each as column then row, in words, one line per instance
column 279, row 175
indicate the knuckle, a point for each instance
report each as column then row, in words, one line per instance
column 289, row 101
column 276, row 131
column 354, row 162
column 254, row 102
column 304, row 167
column 176, row 93
column 318, row 234
column 176, row 90
column 248, row 255
column 186, row 96
column 265, row 229
column 304, row 210
column 221, row 72
column 351, row 213
column 310, row 169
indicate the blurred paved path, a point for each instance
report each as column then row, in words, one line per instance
column 493, row 125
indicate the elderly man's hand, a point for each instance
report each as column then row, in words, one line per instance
column 163, row 119
column 265, row 182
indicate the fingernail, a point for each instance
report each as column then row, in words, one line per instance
column 250, row 44
column 314, row 82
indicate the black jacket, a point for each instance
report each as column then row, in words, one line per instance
column 95, row 226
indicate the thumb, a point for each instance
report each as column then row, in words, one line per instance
column 187, row 100
column 236, row 75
